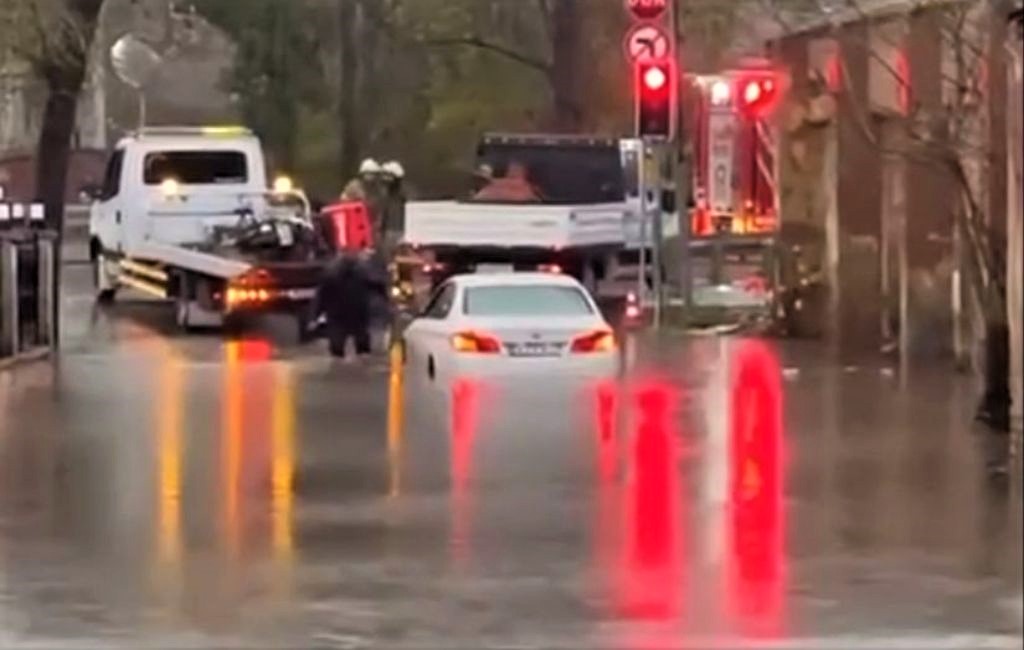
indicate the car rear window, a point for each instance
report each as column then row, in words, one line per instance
column 526, row 301
column 196, row 167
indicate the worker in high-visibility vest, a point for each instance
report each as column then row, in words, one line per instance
column 368, row 187
column 392, row 207
column 358, row 189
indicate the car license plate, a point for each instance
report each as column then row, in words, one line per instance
column 533, row 349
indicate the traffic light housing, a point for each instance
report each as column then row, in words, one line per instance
column 757, row 93
column 655, row 99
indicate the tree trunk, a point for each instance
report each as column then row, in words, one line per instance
column 54, row 149
column 64, row 74
column 348, row 87
column 566, row 68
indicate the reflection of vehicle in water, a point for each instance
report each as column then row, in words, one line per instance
column 546, row 203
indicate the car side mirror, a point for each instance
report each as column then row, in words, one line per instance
column 89, row 193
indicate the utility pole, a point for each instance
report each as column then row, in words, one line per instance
column 658, row 232
column 652, row 50
column 682, row 206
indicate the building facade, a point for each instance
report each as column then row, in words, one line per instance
column 893, row 144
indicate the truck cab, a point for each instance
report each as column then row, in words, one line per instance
column 173, row 184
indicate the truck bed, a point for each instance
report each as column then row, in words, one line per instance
column 489, row 225
column 227, row 265
column 205, row 263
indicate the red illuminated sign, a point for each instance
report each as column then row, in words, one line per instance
column 647, row 9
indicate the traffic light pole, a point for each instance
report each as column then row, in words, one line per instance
column 657, row 231
column 682, row 205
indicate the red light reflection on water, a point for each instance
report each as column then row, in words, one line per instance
column 465, row 396
column 254, row 350
column 607, row 403
column 606, row 448
column 755, row 571
column 651, row 584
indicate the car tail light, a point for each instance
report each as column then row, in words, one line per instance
column 554, row 269
column 598, row 341
column 476, row 342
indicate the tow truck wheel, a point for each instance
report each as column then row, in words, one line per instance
column 105, row 291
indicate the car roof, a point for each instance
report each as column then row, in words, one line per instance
column 514, row 279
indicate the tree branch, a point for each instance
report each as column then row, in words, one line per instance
column 481, row 44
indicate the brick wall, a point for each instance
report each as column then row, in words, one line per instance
column 17, row 174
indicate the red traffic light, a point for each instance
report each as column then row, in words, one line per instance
column 655, row 78
column 655, row 98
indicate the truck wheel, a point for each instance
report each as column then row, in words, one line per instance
column 105, row 289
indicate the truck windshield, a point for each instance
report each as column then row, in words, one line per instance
column 196, row 167
column 525, row 301
column 563, row 173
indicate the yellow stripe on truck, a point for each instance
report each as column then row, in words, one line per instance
column 145, row 271
column 143, row 286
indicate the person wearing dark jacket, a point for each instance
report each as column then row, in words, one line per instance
column 378, row 278
column 344, row 296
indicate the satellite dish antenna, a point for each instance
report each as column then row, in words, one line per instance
column 136, row 64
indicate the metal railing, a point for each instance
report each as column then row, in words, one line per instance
column 28, row 280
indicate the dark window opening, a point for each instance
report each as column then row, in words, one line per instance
column 112, row 176
column 196, row 167
column 561, row 174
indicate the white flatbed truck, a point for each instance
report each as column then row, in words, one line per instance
column 583, row 221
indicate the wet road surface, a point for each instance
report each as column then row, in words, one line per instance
column 166, row 492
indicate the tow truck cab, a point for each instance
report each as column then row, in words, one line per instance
column 185, row 213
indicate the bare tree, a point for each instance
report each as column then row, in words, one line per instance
column 55, row 37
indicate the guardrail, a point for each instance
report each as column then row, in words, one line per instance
column 28, row 281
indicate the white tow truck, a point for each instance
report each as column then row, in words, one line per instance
column 185, row 214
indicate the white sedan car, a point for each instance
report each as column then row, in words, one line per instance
column 511, row 323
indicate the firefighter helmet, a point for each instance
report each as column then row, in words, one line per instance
column 370, row 166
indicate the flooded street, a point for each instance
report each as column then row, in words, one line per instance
column 160, row 491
